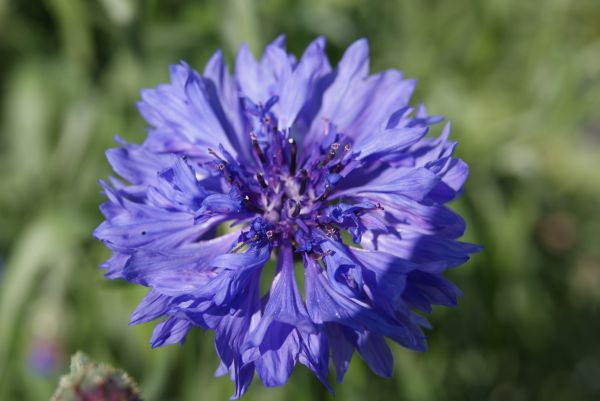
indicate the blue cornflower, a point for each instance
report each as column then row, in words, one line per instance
column 288, row 155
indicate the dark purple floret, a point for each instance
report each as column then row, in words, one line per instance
column 327, row 171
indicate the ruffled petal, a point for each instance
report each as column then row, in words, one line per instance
column 326, row 305
column 421, row 248
column 373, row 349
column 286, row 321
column 153, row 306
column 413, row 184
column 182, row 271
column 297, row 90
column 171, row 331
column 182, row 115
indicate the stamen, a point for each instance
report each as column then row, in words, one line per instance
column 330, row 231
column 293, row 154
column 251, row 206
column 325, row 193
column 261, row 180
column 294, row 208
column 257, row 149
column 216, row 155
column 303, row 177
column 330, row 155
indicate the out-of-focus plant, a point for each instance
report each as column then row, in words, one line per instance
column 91, row 381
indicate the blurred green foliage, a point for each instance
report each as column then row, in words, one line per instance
column 520, row 81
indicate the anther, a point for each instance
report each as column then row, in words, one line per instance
column 257, row 149
column 325, row 193
column 269, row 234
column 303, row 177
column 261, row 180
column 330, row 155
column 294, row 208
column 337, row 168
column 213, row 153
column 250, row 206
column 293, row 155
column 347, row 147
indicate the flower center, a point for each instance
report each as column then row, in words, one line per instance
column 286, row 189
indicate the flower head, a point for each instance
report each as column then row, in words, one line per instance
column 291, row 155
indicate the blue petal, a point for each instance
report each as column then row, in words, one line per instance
column 153, row 306
column 376, row 353
column 385, row 275
column 285, row 303
column 233, row 273
column 226, row 93
column 275, row 344
column 277, row 362
column 326, row 305
column 204, row 117
column 242, row 375
column 277, row 61
column 353, row 67
column 136, row 164
column 420, row 248
column 253, row 81
column 424, row 289
column 171, row 331
column 180, row 271
column 230, row 333
column 414, row 184
column 387, row 141
column 297, row 89
column 315, row 356
column 341, row 348
column 343, row 271
column 114, row 265
column 182, row 116
column 144, row 226
column 417, row 217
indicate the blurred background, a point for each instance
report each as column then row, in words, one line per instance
column 520, row 80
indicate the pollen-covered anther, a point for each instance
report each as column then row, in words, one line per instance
column 257, row 149
column 251, row 206
column 261, row 180
column 303, row 178
column 216, row 155
column 293, row 155
column 325, row 193
column 293, row 208
column 330, row 230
